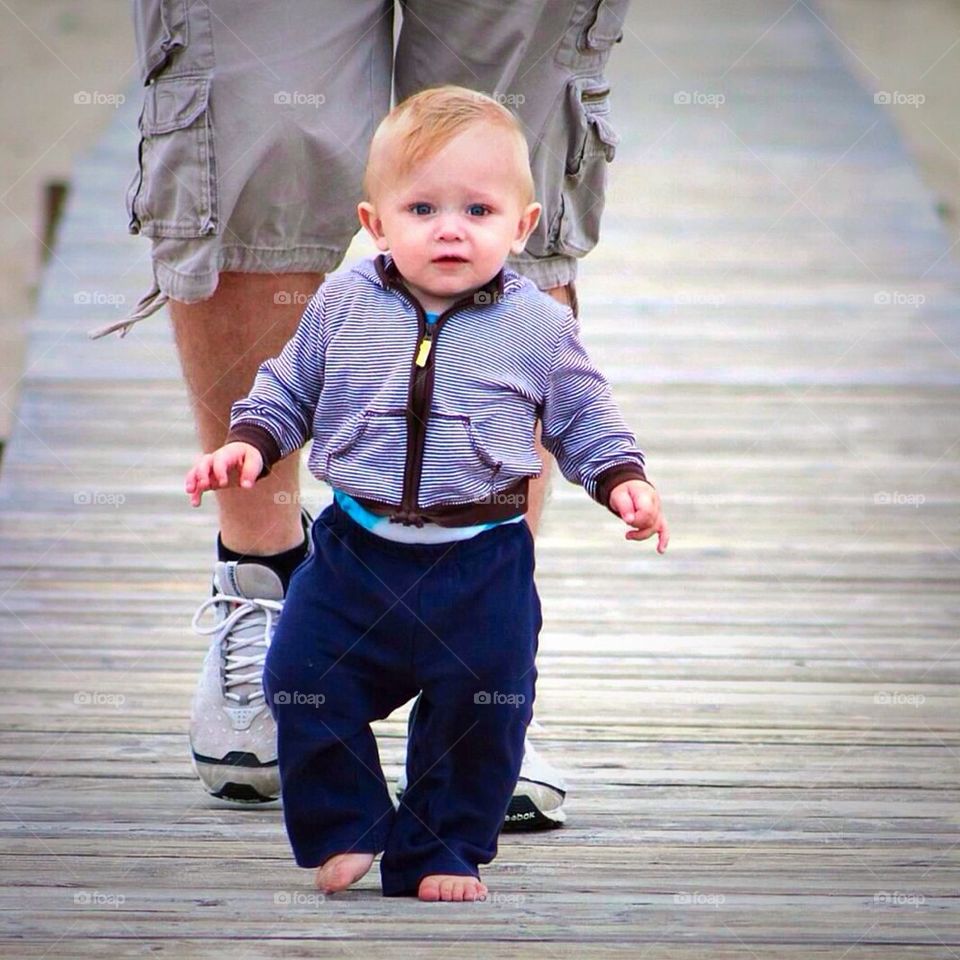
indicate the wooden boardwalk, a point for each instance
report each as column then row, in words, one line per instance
column 760, row 728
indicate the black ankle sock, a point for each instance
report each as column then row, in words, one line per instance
column 282, row 564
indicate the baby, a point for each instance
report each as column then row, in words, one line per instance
column 420, row 375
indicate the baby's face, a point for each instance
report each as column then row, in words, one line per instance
column 450, row 223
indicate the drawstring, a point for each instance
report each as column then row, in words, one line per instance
column 149, row 304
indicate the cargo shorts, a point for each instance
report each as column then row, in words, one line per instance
column 257, row 119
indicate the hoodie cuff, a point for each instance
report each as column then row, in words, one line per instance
column 612, row 477
column 259, row 437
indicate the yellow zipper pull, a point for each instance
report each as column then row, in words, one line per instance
column 425, row 345
column 423, row 352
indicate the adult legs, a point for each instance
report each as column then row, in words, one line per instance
column 221, row 342
column 279, row 149
column 254, row 136
column 546, row 61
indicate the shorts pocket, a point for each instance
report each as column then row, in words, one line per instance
column 596, row 25
column 161, row 31
column 174, row 193
column 591, row 147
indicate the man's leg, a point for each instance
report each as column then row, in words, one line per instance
column 253, row 138
column 222, row 342
column 546, row 62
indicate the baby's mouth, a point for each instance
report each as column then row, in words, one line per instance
column 450, row 258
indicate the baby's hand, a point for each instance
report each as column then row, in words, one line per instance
column 215, row 470
column 639, row 506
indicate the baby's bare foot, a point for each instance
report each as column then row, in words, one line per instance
column 444, row 886
column 341, row 870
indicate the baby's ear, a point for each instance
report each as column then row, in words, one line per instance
column 370, row 221
column 528, row 220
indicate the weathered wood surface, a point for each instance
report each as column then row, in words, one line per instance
column 759, row 728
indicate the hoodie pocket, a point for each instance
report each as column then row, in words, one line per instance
column 466, row 461
column 367, row 456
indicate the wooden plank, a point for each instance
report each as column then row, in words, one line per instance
column 305, row 946
column 759, row 729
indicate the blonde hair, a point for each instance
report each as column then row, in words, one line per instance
column 420, row 126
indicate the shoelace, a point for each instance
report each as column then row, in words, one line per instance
column 244, row 608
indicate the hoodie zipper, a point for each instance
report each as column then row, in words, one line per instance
column 420, row 395
column 424, row 350
column 418, row 410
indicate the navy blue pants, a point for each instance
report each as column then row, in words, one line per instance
column 369, row 623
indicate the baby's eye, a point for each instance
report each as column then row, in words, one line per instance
column 477, row 209
column 420, row 209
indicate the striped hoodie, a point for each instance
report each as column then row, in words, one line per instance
column 436, row 424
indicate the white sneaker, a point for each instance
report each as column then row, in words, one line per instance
column 537, row 801
column 233, row 737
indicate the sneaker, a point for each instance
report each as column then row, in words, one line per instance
column 537, row 801
column 233, row 737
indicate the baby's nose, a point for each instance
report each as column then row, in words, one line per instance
column 449, row 228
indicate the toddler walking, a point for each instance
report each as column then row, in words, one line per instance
column 420, row 376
